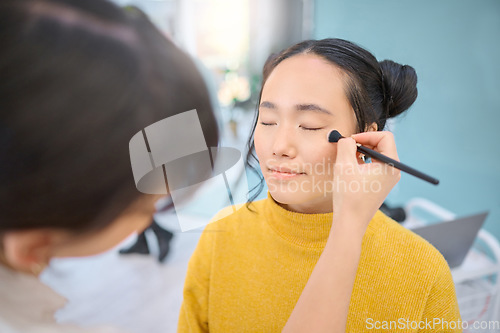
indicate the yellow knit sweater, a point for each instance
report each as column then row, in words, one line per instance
column 249, row 270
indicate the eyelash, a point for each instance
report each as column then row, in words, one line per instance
column 311, row 129
column 304, row 128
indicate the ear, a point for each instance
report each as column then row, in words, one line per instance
column 29, row 250
column 373, row 127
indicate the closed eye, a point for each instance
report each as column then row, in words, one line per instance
column 311, row 128
column 267, row 124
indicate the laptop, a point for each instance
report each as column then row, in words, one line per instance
column 453, row 238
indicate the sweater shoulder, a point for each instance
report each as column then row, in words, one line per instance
column 405, row 244
column 232, row 217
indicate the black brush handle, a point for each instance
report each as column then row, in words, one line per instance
column 398, row 165
column 335, row 136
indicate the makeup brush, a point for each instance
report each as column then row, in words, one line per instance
column 335, row 136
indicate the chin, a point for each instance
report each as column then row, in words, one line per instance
column 293, row 198
column 284, row 198
column 300, row 200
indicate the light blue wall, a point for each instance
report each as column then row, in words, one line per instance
column 451, row 132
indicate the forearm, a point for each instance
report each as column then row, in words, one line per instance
column 324, row 303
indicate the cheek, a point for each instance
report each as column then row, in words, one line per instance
column 332, row 152
column 259, row 143
column 323, row 152
column 321, row 159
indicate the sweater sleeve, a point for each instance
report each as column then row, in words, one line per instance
column 193, row 316
column 441, row 308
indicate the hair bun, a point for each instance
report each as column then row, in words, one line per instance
column 400, row 87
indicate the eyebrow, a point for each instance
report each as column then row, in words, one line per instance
column 298, row 107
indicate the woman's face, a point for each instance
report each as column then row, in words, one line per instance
column 302, row 100
column 24, row 249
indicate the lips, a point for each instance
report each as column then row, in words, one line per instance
column 284, row 172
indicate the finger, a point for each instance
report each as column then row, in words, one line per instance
column 373, row 138
column 346, row 151
column 383, row 142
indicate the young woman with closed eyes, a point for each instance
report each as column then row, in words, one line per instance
column 317, row 255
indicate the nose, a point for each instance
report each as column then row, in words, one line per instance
column 284, row 143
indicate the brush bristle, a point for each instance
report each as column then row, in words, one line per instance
column 334, row 136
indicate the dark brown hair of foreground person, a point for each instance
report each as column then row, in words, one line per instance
column 78, row 80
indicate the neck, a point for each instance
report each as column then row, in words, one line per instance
column 303, row 229
column 316, row 206
column 5, row 262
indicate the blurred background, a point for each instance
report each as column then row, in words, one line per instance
column 449, row 133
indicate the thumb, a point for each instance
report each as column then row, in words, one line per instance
column 346, row 151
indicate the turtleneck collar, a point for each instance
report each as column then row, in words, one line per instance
column 306, row 230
